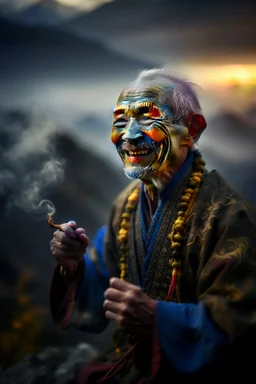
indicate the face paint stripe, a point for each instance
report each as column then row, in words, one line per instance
column 155, row 134
column 115, row 136
column 166, row 144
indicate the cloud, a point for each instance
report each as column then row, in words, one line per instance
column 16, row 4
column 85, row 5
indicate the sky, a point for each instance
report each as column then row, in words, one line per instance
column 216, row 47
column 85, row 5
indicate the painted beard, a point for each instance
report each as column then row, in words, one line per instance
column 142, row 161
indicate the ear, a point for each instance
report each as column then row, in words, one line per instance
column 196, row 124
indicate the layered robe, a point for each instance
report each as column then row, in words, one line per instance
column 210, row 325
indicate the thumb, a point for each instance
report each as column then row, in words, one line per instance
column 72, row 224
column 68, row 230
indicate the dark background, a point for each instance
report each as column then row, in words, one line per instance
column 62, row 66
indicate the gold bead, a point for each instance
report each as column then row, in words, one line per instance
column 183, row 204
column 200, row 168
column 125, row 224
column 134, row 195
column 185, row 198
column 179, row 228
column 170, row 236
column 181, row 213
column 176, row 245
column 176, row 264
column 129, row 206
column 178, row 237
column 123, row 231
column 199, row 174
column 189, row 190
column 192, row 184
column 121, row 238
column 196, row 179
column 132, row 198
column 126, row 215
column 179, row 221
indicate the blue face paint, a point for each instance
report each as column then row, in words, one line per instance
column 142, row 131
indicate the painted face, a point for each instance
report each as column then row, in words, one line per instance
column 144, row 134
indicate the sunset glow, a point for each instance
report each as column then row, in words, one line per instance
column 86, row 5
column 223, row 75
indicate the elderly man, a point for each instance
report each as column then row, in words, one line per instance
column 175, row 267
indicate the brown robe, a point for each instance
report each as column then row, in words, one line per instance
column 219, row 270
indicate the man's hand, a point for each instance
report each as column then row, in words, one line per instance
column 130, row 308
column 68, row 246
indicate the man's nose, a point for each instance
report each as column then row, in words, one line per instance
column 133, row 134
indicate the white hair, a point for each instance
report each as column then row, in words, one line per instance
column 180, row 96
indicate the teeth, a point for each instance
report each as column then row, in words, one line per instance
column 138, row 153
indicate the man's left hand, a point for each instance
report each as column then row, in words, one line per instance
column 130, row 308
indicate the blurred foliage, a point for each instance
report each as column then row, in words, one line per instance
column 22, row 324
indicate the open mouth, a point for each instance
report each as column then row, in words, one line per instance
column 139, row 156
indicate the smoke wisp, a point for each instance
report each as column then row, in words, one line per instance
column 29, row 165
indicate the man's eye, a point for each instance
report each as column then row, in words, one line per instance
column 120, row 123
column 143, row 110
column 146, row 120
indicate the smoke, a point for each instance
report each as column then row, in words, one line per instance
column 29, row 166
column 34, row 186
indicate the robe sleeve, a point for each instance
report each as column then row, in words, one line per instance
column 79, row 302
column 220, row 328
column 189, row 337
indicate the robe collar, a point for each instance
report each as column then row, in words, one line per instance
column 165, row 194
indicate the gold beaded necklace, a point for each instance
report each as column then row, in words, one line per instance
column 178, row 229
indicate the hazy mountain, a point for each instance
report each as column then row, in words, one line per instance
column 161, row 30
column 251, row 114
column 54, row 70
column 44, row 12
column 228, row 145
column 233, row 125
column 48, row 52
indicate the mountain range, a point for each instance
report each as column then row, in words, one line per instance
column 228, row 145
column 157, row 31
column 52, row 53
column 169, row 32
column 58, row 72
column 43, row 12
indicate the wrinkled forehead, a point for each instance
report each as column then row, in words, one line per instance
column 157, row 92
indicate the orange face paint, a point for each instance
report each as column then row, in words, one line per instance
column 155, row 134
column 119, row 112
column 115, row 136
column 154, row 112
